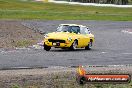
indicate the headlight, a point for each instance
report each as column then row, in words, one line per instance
column 69, row 39
column 46, row 35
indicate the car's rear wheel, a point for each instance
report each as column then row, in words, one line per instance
column 74, row 45
column 89, row 46
column 47, row 48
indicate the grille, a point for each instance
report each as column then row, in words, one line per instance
column 53, row 40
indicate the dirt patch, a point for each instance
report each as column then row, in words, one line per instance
column 14, row 34
column 38, row 78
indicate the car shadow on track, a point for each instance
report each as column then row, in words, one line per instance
column 67, row 50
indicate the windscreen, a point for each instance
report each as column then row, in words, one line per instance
column 67, row 28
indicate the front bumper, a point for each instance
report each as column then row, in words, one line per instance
column 61, row 45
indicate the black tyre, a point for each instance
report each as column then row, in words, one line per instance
column 74, row 45
column 47, row 48
column 89, row 46
column 81, row 80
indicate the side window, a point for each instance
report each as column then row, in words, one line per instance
column 82, row 30
column 85, row 30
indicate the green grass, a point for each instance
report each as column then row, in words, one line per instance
column 23, row 43
column 25, row 10
column 15, row 86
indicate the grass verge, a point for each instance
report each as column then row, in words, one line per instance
column 54, row 78
column 19, row 9
column 23, row 43
column 67, row 80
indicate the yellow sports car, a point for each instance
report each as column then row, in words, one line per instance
column 70, row 36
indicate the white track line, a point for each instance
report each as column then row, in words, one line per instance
column 127, row 31
column 91, row 4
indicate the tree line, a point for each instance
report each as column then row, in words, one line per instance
column 119, row 2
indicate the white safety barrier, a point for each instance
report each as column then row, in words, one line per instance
column 90, row 4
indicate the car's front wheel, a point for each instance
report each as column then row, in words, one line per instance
column 89, row 46
column 47, row 48
column 74, row 45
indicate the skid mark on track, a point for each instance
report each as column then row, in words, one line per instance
column 127, row 53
